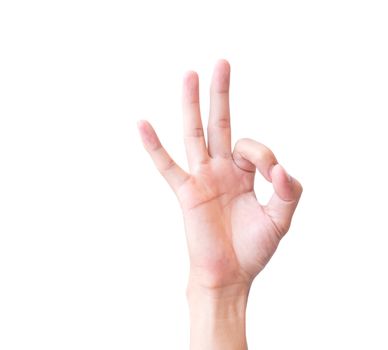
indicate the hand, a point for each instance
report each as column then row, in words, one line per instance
column 230, row 235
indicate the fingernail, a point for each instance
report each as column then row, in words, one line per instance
column 289, row 177
column 270, row 171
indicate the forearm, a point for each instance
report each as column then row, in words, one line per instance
column 217, row 319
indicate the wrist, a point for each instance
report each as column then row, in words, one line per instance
column 217, row 297
column 217, row 317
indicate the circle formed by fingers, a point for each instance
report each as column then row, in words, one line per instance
column 250, row 155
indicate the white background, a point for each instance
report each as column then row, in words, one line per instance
column 92, row 248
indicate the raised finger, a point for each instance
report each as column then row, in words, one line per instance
column 174, row 175
column 193, row 131
column 219, row 132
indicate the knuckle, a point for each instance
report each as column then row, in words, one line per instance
column 242, row 141
column 168, row 166
column 222, row 122
column 196, row 132
column 263, row 153
column 281, row 228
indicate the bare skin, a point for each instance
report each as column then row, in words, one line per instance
column 230, row 235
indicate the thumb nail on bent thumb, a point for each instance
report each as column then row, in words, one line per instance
column 288, row 176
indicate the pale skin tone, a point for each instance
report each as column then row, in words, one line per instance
column 230, row 235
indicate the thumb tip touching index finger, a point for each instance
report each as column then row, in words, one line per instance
column 285, row 186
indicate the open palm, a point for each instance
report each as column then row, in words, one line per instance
column 230, row 235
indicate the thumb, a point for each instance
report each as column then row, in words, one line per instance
column 283, row 202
